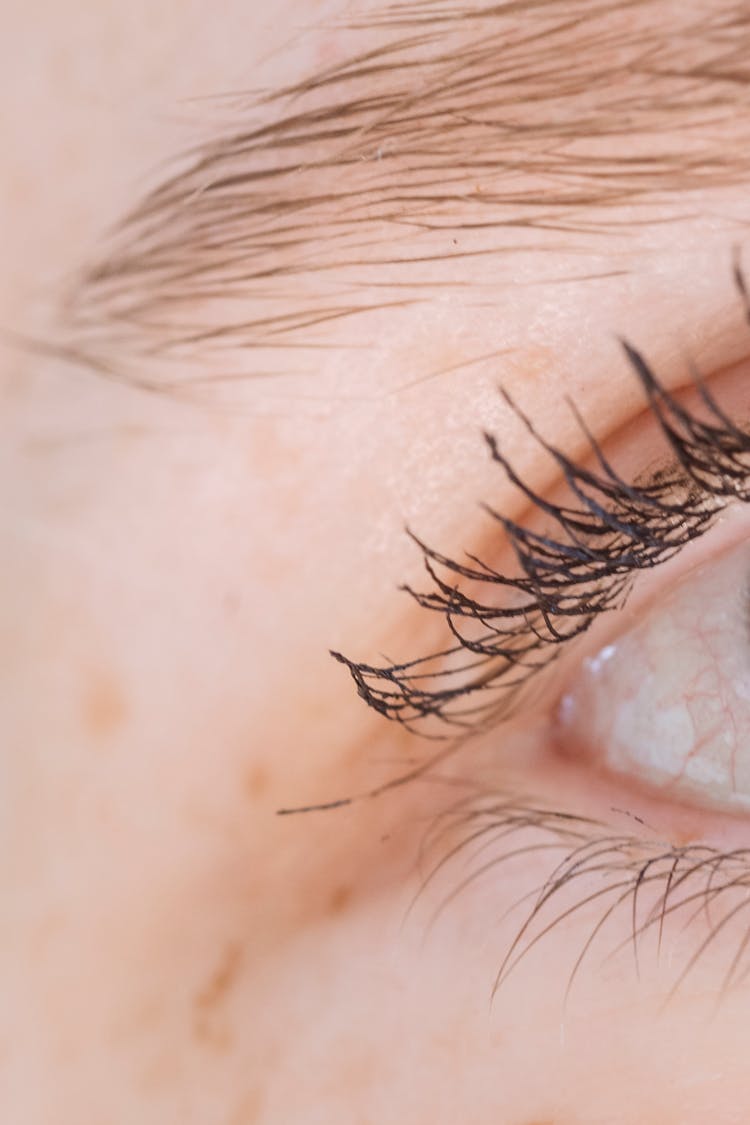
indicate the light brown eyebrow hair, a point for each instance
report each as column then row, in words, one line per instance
column 462, row 132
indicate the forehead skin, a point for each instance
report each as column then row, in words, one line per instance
column 177, row 566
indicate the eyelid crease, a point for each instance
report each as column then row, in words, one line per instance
column 583, row 567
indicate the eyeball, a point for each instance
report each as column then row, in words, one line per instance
column 666, row 703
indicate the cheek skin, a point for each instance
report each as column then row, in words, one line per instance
column 373, row 1016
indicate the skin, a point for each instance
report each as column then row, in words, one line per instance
column 173, row 576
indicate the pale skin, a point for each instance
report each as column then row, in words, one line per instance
column 173, row 577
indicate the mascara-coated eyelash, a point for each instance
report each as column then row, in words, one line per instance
column 510, row 627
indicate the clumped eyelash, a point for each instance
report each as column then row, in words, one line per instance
column 504, row 628
column 661, row 889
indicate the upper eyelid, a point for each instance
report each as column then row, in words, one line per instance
column 711, row 464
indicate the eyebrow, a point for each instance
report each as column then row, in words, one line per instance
column 463, row 132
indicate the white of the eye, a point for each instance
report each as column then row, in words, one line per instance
column 668, row 701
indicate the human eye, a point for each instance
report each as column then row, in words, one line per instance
column 601, row 653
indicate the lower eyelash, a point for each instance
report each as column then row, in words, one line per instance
column 659, row 889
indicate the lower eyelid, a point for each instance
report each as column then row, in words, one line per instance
column 612, row 892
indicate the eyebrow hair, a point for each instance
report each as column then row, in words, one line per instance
column 463, row 132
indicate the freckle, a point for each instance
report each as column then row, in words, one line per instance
column 530, row 363
column 104, row 706
column 221, row 980
column 257, row 782
column 232, row 603
column 210, row 1025
column 340, row 899
column 248, row 1111
column 160, row 1072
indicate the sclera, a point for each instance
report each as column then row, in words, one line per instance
column 667, row 702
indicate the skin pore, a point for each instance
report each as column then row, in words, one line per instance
column 188, row 529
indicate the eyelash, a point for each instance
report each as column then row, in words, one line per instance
column 582, row 567
column 654, row 885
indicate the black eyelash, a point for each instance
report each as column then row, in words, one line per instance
column 583, row 566
column 655, row 885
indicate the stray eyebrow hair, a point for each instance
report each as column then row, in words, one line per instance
column 506, row 628
column 463, row 132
